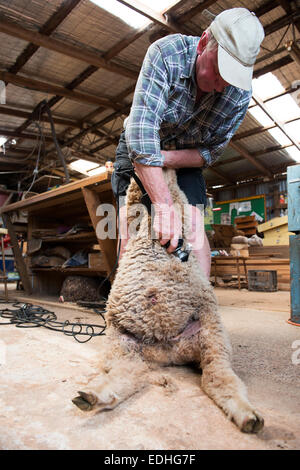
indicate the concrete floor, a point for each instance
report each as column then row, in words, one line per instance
column 41, row 371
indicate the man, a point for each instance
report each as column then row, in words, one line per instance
column 191, row 95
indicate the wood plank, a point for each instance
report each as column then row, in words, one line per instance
column 246, row 218
column 108, row 246
column 17, row 254
column 279, row 251
column 246, row 225
column 102, row 181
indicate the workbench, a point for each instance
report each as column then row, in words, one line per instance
column 70, row 204
column 230, row 261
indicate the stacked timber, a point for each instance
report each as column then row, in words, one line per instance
column 247, row 224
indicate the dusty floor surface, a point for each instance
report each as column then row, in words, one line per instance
column 41, row 370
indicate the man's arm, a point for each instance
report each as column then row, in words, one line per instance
column 167, row 223
column 187, row 158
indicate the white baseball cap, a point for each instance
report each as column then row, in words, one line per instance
column 239, row 34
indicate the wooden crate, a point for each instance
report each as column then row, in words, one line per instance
column 247, row 224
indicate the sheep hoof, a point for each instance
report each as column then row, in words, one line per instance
column 85, row 401
column 105, row 400
column 253, row 424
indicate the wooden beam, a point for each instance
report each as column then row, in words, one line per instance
column 274, row 148
column 36, row 85
column 274, row 118
column 79, row 53
column 25, row 115
column 220, row 174
column 251, row 132
column 157, row 18
column 242, row 151
column 96, row 125
column 15, row 134
column 281, row 22
column 287, row 6
column 21, row 267
column 102, row 180
column 51, row 24
column 108, row 246
column 10, row 160
column 273, row 66
column 266, row 7
column 196, row 10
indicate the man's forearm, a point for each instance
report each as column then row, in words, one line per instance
column 154, row 183
column 187, row 158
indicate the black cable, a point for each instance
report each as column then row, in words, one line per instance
column 27, row 315
column 45, row 107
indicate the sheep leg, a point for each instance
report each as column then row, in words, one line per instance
column 220, row 382
column 119, row 380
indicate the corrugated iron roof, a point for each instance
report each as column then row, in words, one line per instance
column 93, row 30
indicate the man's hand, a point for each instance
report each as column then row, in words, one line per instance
column 167, row 225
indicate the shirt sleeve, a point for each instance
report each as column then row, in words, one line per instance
column 148, row 107
column 230, row 125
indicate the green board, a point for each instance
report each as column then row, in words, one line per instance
column 227, row 211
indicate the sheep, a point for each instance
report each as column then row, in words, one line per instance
column 161, row 312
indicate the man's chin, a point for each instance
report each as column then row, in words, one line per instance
column 206, row 89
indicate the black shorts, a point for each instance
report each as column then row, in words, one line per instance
column 190, row 180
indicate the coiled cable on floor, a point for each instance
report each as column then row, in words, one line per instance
column 26, row 315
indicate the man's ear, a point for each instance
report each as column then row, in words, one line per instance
column 203, row 42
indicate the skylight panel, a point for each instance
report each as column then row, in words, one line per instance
column 83, row 166
column 267, row 86
column 131, row 17
column 2, row 141
column 294, row 153
column 284, row 108
column 278, row 135
column 261, row 116
column 97, row 171
column 294, row 129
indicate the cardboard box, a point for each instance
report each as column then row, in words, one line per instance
column 96, row 261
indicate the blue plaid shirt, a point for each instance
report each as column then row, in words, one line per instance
column 165, row 114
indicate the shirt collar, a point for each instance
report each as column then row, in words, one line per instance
column 189, row 70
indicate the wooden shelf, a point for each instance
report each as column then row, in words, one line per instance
column 67, row 205
column 74, row 270
column 77, row 237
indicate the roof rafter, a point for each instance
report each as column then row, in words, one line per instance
column 79, row 53
column 51, row 24
column 242, row 151
column 37, row 85
column 275, row 120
